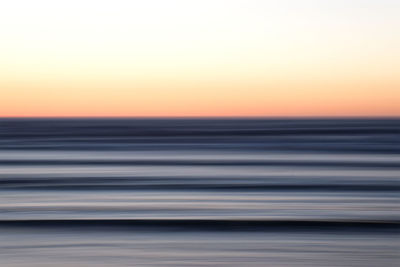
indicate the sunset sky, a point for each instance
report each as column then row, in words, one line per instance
column 200, row 58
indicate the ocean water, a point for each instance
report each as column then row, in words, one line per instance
column 199, row 192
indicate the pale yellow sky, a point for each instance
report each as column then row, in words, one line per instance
column 200, row 58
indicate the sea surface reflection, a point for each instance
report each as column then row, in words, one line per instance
column 199, row 192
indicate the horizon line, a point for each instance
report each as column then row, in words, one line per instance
column 205, row 117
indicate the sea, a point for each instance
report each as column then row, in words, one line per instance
column 199, row 192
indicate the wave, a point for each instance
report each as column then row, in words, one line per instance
column 333, row 135
column 54, row 185
column 277, row 163
column 210, row 225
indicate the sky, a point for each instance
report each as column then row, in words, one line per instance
column 199, row 58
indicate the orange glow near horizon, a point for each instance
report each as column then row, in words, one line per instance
column 199, row 58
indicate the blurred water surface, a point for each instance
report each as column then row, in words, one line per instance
column 199, row 192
